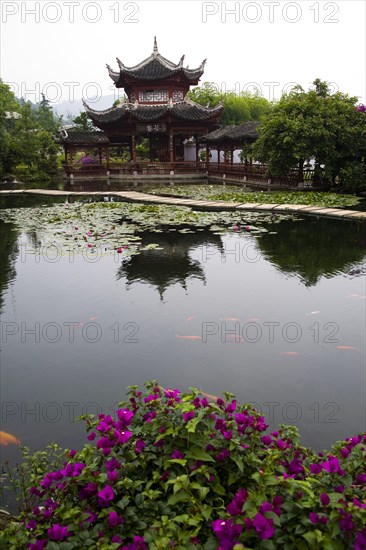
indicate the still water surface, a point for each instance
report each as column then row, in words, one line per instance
column 277, row 318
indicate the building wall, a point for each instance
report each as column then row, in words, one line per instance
column 190, row 154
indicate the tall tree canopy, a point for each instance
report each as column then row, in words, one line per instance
column 237, row 108
column 27, row 132
column 318, row 125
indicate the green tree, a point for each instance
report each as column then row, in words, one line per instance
column 9, row 108
column 83, row 122
column 46, row 117
column 237, row 108
column 312, row 125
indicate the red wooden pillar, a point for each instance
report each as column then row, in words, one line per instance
column 232, row 156
column 197, row 149
column 133, row 146
column 171, row 145
column 107, row 153
column 218, row 155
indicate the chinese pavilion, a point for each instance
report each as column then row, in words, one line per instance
column 157, row 108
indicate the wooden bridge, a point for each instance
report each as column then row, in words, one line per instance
column 135, row 196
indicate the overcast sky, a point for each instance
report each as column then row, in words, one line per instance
column 61, row 47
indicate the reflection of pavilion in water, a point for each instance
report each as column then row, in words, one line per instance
column 171, row 263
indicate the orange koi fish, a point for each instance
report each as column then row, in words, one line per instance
column 348, row 348
column 6, row 439
column 209, row 396
column 289, row 353
column 231, row 319
column 190, row 318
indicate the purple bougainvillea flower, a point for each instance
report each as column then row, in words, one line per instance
column 339, row 489
column 172, row 394
column 177, row 454
column 122, row 437
column 295, row 467
column 265, row 507
column 220, row 424
column 105, row 496
column 228, row 434
column 221, row 456
column 140, row 446
column 227, row 532
column 38, row 545
column 360, row 542
column 89, row 490
column 114, row 519
column 72, row 453
column 137, row 544
column 266, row 440
column 277, row 502
column 148, row 417
column 315, row 468
column 231, row 407
column 361, row 479
column 125, row 416
column 347, row 523
column 91, row 436
column 241, row 418
column 235, row 506
column 32, row 524
column 331, row 465
column 78, row 468
column 344, row 452
column 151, row 397
column 165, row 475
column 103, row 427
column 188, row 416
column 58, row 533
column 314, row 518
column 113, row 464
column 34, row 491
column 263, row 526
column 324, row 499
column 112, row 476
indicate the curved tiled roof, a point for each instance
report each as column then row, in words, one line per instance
column 155, row 67
column 233, row 132
column 183, row 110
column 82, row 137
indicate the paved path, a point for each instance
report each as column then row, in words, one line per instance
column 136, row 196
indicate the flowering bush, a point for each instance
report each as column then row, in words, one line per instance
column 179, row 471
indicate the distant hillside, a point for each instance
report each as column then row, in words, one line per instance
column 70, row 109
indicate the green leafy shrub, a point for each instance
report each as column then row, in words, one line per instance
column 353, row 177
column 180, row 471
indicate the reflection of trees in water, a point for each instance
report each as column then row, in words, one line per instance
column 170, row 265
column 313, row 248
column 8, row 255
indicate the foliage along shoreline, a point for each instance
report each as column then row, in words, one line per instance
column 191, row 471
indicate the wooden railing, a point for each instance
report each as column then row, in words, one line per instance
column 255, row 173
column 258, row 173
column 143, row 167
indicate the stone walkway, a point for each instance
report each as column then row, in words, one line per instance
column 136, row 196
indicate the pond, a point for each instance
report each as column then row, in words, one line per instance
column 99, row 296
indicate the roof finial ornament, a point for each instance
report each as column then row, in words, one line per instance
column 155, row 52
